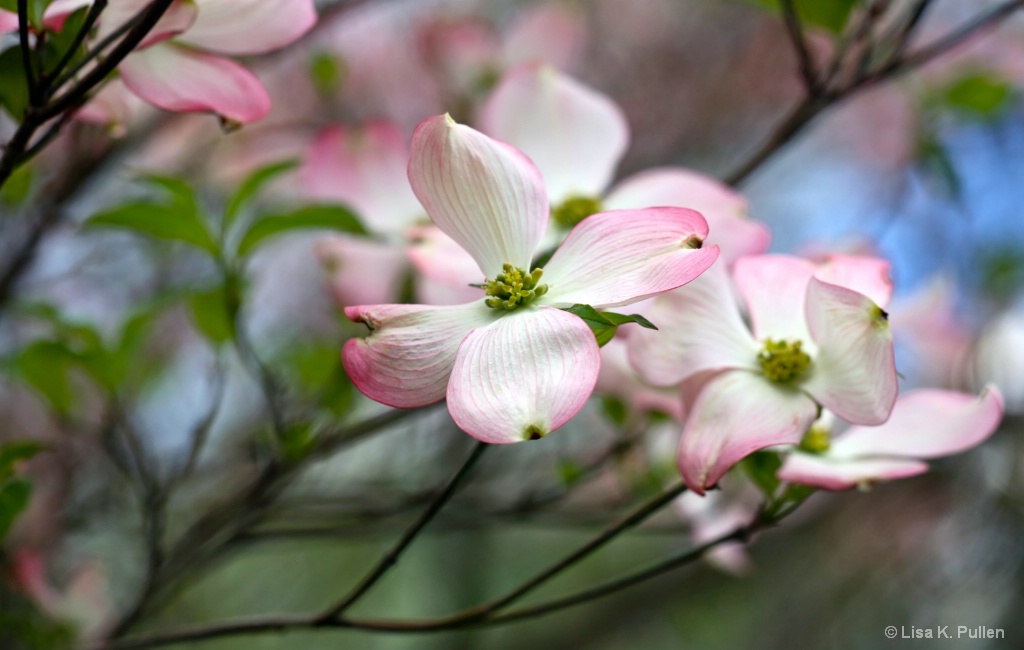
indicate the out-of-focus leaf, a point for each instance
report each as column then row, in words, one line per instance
column 318, row 372
column 569, row 472
column 19, row 186
column 46, row 366
column 762, row 467
column 57, row 43
column 615, row 409
column 977, row 95
column 326, row 71
column 252, row 186
column 210, row 314
column 159, row 221
column 935, row 161
column 297, row 442
column 14, row 496
column 828, row 14
column 14, row 452
column 314, row 217
column 35, row 10
column 13, row 87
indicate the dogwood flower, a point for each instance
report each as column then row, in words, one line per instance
column 926, row 423
column 179, row 67
column 819, row 339
column 512, row 364
column 576, row 136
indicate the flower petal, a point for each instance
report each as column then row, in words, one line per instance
column 831, row 474
column 443, row 263
column 774, row 288
column 866, row 275
column 524, row 376
column 573, row 134
column 615, row 258
column 482, row 193
column 249, row 26
column 737, row 413
column 362, row 271
column 407, row 358
column 177, row 79
column 853, row 372
column 178, row 17
column 724, row 209
column 927, row 424
column 699, row 328
column 364, row 168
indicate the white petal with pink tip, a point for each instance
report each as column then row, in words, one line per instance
column 407, row 358
column 843, row 474
column 484, row 194
column 620, row 257
column 179, row 79
column 249, row 26
column 736, row 414
column 774, row 288
column 927, row 424
column 573, row 134
column 524, row 376
column 853, row 372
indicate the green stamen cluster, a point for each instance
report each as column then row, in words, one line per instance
column 817, row 440
column 514, row 288
column 783, row 361
column 574, row 210
column 534, row 432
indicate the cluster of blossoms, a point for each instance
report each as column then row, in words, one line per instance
column 752, row 351
column 182, row 64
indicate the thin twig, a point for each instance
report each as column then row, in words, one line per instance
column 27, row 54
column 48, row 76
column 796, row 35
column 390, row 558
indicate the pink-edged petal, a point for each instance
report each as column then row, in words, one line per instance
column 774, row 287
column 853, row 372
column 724, row 208
column 736, row 414
column 828, row 473
column 58, row 11
column 927, row 424
column 179, row 79
column 699, row 329
column 406, row 360
column 176, row 19
column 866, row 275
column 575, row 135
column 615, row 258
column 249, row 26
column 524, row 376
column 441, row 262
column 362, row 271
column 366, row 169
column 482, row 193
column 8, row 22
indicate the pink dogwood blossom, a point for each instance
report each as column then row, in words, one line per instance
column 820, row 339
column 180, row 65
column 512, row 364
column 927, row 423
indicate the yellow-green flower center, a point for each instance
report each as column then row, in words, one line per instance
column 783, row 361
column 514, row 288
column 574, row 210
column 817, row 440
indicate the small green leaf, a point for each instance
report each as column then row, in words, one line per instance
column 978, row 95
column 18, row 187
column 156, row 220
column 252, row 186
column 326, row 71
column 13, row 86
column 210, row 314
column 324, row 217
column 569, row 472
column 615, row 409
column 46, row 366
column 605, row 324
column 762, row 467
column 14, row 496
column 831, row 15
